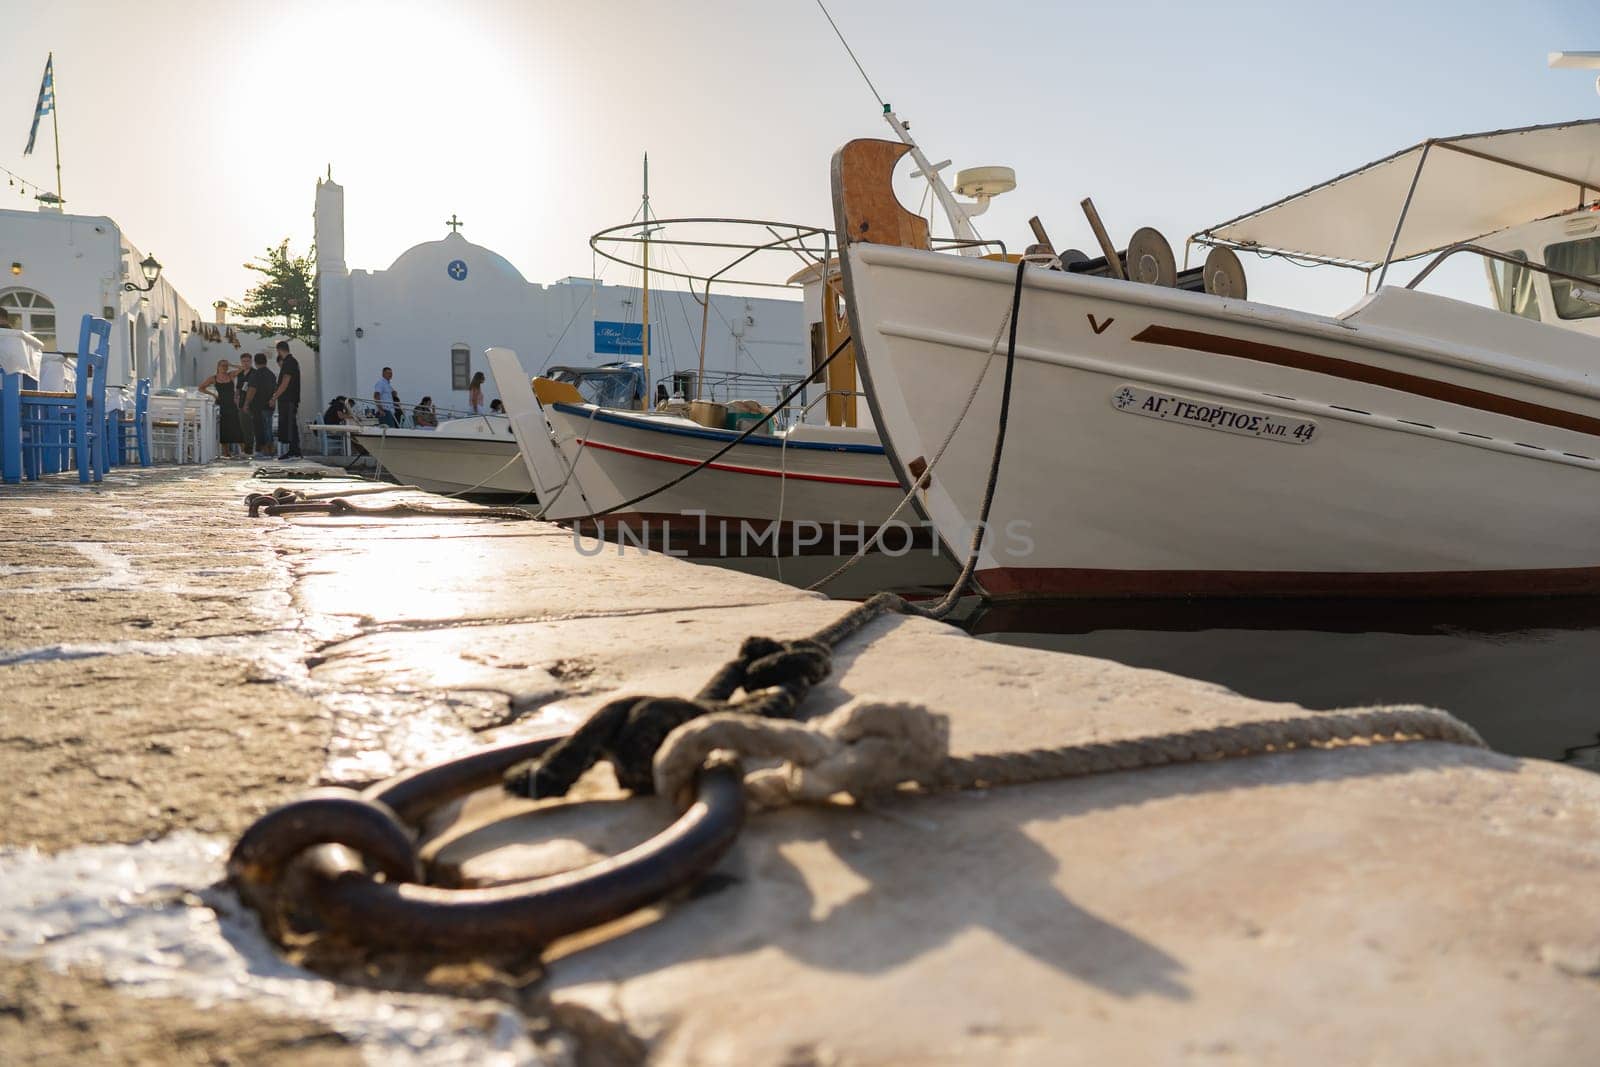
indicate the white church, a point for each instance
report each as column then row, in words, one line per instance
column 436, row 309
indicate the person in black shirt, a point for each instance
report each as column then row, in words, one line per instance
column 258, row 399
column 287, row 400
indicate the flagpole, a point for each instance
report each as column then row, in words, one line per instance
column 55, row 123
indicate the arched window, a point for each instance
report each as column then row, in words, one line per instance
column 32, row 312
column 460, row 367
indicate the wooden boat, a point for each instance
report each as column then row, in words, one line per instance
column 1164, row 442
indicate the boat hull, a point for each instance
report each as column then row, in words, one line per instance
column 444, row 462
column 759, row 498
column 1163, row 443
column 817, row 492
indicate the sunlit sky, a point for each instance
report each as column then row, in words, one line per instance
column 202, row 125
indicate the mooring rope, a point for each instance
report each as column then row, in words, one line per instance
column 961, row 416
column 871, row 749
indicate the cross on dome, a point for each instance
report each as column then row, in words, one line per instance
column 454, row 223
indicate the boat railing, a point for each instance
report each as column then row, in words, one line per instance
column 366, row 412
column 824, row 396
column 1503, row 257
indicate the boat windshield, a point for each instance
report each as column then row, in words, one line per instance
column 1513, row 286
column 606, row 387
column 1573, row 257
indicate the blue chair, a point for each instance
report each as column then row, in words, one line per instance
column 45, row 432
column 132, row 436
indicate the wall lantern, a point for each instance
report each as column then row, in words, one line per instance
column 16, row 268
column 150, row 267
column 360, row 333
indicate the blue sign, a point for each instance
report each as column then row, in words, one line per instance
column 619, row 338
column 457, row 269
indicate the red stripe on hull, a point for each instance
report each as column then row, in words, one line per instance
column 1022, row 583
column 833, row 479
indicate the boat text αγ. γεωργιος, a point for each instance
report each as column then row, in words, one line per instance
column 1211, row 415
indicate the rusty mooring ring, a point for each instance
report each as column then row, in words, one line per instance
column 399, row 912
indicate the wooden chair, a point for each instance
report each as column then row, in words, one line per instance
column 42, row 432
column 133, row 436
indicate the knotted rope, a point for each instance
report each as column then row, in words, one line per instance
column 870, row 749
column 775, row 677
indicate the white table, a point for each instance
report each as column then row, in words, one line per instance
column 21, row 353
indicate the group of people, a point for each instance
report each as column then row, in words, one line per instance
column 247, row 399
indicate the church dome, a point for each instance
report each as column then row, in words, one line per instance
column 455, row 257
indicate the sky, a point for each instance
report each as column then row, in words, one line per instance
column 201, row 126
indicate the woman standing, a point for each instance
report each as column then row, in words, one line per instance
column 475, row 394
column 230, row 429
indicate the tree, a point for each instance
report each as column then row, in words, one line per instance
column 286, row 293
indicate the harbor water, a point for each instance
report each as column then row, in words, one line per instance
column 1521, row 672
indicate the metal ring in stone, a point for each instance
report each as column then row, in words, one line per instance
column 533, row 913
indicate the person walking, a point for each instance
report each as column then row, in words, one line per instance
column 229, row 428
column 475, row 394
column 287, row 400
column 384, row 396
column 257, row 402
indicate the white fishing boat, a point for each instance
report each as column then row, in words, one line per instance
column 1164, row 442
column 807, row 489
column 476, row 454
column 812, row 480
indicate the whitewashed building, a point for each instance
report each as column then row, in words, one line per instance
column 431, row 314
column 56, row 267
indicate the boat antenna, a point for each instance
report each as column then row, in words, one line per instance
column 960, row 220
column 852, row 54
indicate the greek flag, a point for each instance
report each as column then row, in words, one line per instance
column 47, row 101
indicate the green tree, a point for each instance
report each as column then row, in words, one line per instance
column 284, row 300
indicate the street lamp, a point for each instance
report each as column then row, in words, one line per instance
column 150, row 267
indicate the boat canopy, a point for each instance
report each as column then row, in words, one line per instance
column 1425, row 198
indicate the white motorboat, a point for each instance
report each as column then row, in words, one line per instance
column 1164, row 442
column 477, row 454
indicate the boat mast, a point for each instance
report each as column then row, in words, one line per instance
column 645, row 318
column 960, row 223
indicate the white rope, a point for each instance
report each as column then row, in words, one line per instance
column 870, row 749
column 972, row 394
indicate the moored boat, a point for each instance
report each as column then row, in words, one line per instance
column 1164, row 442
column 477, row 454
